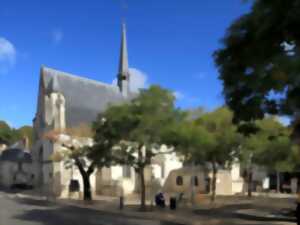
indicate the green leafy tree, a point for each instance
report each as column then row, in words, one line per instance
column 259, row 62
column 279, row 153
column 87, row 157
column 8, row 135
column 211, row 138
column 26, row 131
column 225, row 145
column 251, row 149
column 141, row 127
column 191, row 142
column 269, row 147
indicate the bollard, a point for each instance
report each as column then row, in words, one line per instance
column 121, row 202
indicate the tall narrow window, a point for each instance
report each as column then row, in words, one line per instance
column 179, row 181
column 195, row 181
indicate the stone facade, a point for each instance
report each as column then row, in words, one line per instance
column 66, row 101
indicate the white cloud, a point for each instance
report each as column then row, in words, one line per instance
column 178, row 95
column 7, row 55
column 57, row 36
column 138, row 80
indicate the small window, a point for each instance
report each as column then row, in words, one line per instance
column 179, row 181
column 196, row 181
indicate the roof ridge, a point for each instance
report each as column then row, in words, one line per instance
column 75, row 76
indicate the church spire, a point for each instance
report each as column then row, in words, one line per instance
column 123, row 73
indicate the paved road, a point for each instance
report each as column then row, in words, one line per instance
column 16, row 210
column 24, row 211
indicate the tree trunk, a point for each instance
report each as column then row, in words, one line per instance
column 87, row 192
column 214, row 181
column 249, row 181
column 277, row 182
column 143, row 189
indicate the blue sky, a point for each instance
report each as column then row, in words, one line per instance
column 170, row 43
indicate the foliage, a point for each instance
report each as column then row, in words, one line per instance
column 191, row 141
column 9, row 135
column 140, row 127
column 259, row 61
column 144, row 121
column 226, row 140
column 270, row 144
column 210, row 138
column 275, row 148
column 269, row 147
column 27, row 131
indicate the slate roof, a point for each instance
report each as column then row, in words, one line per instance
column 85, row 98
column 16, row 155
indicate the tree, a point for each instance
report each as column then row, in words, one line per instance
column 8, row 135
column 85, row 153
column 209, row 138
column 269, row 147
column 225, row 145
column 192, row 142
column 277, row 158
column 251, row 149
column 279, row 153
column 140, row 127
column 27, row 131
column 259, row 62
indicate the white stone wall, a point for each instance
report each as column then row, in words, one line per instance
column 223, row 182
column 187, row 173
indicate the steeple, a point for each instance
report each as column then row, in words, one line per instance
column 123, row 73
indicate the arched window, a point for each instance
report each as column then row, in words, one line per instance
column 195, row 181
column 179, row 180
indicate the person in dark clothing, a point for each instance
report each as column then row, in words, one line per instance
column 160, row 200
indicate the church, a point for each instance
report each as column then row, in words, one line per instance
column 67, row 101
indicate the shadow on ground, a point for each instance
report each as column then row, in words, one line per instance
column 49, row 213
column 240, row 212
